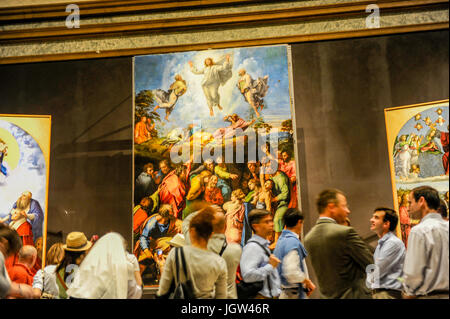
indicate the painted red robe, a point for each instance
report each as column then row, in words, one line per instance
column 445, row 145
column 289, row 169
column 173, row 191
column 141, row 133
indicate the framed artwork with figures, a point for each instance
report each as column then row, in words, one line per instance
column 418, row 146
column 24, row 176
column 207, row 123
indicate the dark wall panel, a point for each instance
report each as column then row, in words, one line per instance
column 90, row 162
column 341, row 89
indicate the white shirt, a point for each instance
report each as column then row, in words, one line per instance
column 291, row 269
column 45, row 280
column 232, row 257
column 426, row 266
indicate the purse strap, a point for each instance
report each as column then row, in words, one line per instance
column 63, row 284
column 185, row 270
column 177, row 273
column 268, row 255
column 225, row 244
column 264, row 248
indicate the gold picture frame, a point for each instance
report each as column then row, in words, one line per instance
column 25, row 147
column 416, row 152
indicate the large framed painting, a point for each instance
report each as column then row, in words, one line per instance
column 215, row 128
column 24, row 161
column 418, row 137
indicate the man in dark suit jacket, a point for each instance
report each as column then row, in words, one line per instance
column 338, row 255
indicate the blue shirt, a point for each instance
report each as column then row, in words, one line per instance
column 287, row 242
column 153, row 230
column 389, row 257
column 255, row 267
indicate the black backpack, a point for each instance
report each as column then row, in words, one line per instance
column 183, row 290
column 249, row 290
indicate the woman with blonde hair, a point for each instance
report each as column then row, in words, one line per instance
column 44, row 282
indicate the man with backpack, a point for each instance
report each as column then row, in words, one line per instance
column 258, row 266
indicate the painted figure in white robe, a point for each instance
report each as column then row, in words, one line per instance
column 215, row 74
column 402, row 158
column 253, row 90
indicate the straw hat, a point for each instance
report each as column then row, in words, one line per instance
column 77, row 241
column 177, row 241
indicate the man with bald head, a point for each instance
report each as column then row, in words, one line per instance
column 230, row 252
column 21, row 272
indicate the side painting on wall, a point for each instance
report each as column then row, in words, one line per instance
column 418, row 142
column 211, row 128
column 24, row 161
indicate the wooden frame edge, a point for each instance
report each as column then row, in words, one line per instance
column 217, row 20
column 111, row 7
column 226, row 44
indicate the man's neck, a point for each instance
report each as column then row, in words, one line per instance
column 26, row 264
column 381, row 235
column 326, row 214
column 262, row 236
column 202, row 244
column 427, row 211
column 295, row 231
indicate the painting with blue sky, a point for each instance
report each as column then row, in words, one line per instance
column 418, row 141
column 210, row 100
column 158, row 72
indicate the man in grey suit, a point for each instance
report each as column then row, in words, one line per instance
column 338, row 255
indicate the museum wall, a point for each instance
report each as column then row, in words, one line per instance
column 341, row 89
column 91, row 139
column 115, row 28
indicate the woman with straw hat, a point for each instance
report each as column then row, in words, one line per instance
column 75, row 249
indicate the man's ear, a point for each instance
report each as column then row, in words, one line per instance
column 422, row 200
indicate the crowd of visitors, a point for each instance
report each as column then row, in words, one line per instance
column 205, row 263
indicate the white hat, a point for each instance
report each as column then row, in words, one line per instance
column 177, row 241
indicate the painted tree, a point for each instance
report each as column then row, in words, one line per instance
column 144, row 103
column 260, row 124
column 286, row 126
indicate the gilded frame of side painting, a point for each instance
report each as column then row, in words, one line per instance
column 417, row 137
column 24, row 177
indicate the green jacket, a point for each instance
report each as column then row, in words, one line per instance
column 281, row 188
column 339, row 258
